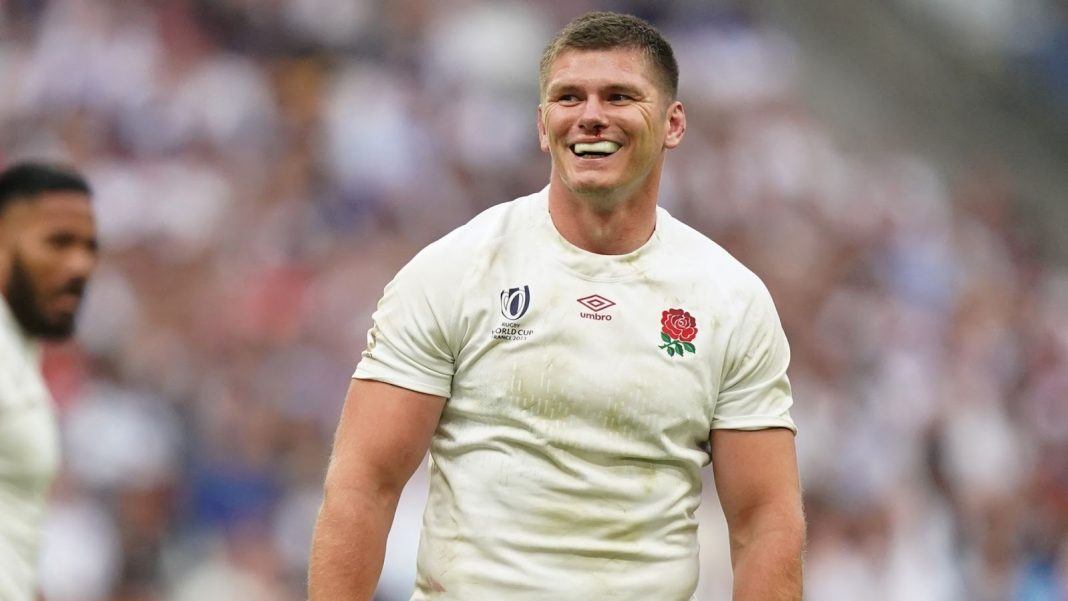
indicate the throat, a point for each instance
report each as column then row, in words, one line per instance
column 618, row 231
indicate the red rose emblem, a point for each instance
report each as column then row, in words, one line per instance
column 679, row 325
column 677, row 329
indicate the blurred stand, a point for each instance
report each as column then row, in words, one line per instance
column 262, row 169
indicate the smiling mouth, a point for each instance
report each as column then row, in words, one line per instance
column 595, row 150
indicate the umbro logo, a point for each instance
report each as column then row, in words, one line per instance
column 596, row 303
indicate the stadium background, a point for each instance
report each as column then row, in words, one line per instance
column 895, row 171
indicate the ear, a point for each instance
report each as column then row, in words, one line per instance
column 543, row 139
column 676, row 125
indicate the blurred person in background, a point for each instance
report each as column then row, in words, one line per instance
column 48, row 249
column 567, row 438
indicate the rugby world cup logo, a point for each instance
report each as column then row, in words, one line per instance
column 515, row 302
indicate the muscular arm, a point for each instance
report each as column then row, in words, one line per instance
column 382, row 437
column 756, row 476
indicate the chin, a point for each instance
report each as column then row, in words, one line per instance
column 593, row 186
column 56, row 329
column 59, row 333
column 591, row 190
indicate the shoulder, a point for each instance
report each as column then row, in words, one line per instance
column 706, row 261
column 493, row 225
column 478, row 241
column 13, row 342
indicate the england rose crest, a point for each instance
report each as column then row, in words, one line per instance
column 678, row 329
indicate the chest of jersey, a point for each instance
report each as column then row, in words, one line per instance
column 579, row 360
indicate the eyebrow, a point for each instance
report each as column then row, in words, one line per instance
column 626, row 89
column 556, row 88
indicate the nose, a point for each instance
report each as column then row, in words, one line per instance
column 81, row 260
column 593, row 117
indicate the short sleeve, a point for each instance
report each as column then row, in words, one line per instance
column 408, row 343
column 755, row 391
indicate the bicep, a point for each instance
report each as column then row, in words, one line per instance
column 755, row 470
column 382, row 436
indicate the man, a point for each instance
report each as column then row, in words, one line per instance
column 572, row 359
column 47, row 251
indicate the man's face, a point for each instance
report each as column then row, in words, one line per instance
column 605, row 122
column 48, row 250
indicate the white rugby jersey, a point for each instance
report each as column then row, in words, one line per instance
column 29, row 458
column 581, row 389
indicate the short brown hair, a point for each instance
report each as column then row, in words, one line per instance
column 607, row 30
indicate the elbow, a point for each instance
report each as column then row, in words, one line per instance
column 782, row 524
column 348, row 490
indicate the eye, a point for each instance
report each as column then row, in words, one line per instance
column 61, row 240
column 567, row 99
column 619, row 98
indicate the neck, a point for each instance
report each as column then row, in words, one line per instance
column 602, row 224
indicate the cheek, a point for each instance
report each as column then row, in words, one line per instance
column 41, row 263
column 650, row 134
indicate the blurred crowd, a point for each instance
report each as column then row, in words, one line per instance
column 1022, row 43
column 261, row 169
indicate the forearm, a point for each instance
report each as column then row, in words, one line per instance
column 767, row 564
column 349, row 545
